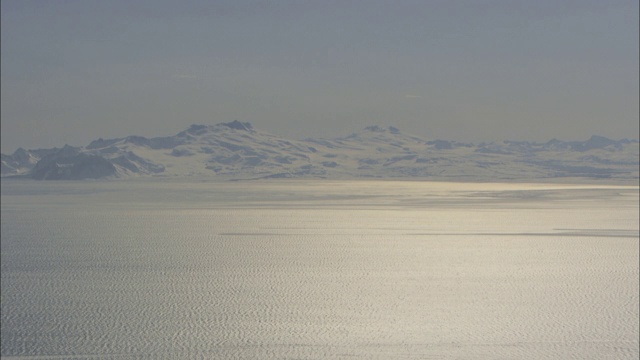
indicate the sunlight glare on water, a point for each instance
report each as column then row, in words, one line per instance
column 312, row 269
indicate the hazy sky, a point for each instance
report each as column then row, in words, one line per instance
column 73, row 71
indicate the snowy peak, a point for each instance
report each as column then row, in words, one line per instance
column 378, row 129
column 235, row 150
column 198, row 130
column 595, row 142
column 384, row 139
column 237, row 125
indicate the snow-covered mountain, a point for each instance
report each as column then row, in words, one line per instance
column 236, row 150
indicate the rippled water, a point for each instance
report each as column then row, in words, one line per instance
column 314, row 270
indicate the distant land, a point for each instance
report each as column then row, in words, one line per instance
column 237, row 151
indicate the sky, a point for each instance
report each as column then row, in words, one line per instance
column 467, row 70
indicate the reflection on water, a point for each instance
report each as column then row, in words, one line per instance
column 318, row 270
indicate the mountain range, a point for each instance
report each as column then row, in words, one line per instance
column 235, row 150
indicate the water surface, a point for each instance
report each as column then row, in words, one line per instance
column 313, row 269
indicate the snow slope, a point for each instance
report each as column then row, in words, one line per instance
column 236, row 150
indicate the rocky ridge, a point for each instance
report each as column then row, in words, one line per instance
column 235, row 150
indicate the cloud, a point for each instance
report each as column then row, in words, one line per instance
column 412, row 96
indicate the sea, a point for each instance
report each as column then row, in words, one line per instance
column 318, row 269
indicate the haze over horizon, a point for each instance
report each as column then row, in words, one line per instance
column 474, row 71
